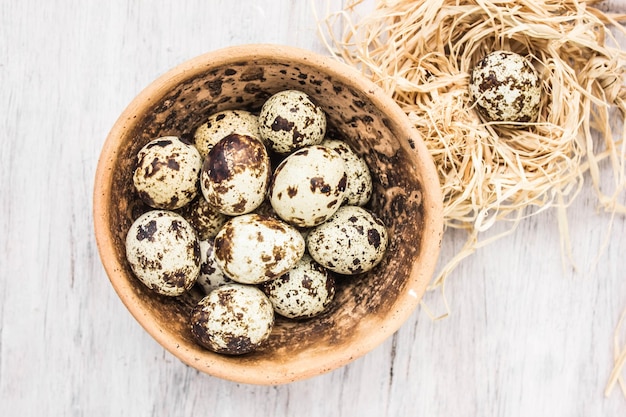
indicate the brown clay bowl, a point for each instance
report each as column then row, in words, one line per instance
column 368, row 308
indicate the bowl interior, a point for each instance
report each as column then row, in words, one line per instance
column 367, row 308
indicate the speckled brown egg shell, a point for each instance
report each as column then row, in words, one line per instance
column 305, row 291
column 164, row 252
column 308, row 186
column 253, row 248
column 233, row 319
column 290, row 120
column 223, row 123
column 204, row 218
column 359, row 180
column 236, row 174
column 211, row 275
column 506, row 88
column 352, row 241
column 406, row 195
column 167, row 171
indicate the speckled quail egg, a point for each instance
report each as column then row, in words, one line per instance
column 304, row 291
column 233, row 319
column 359, row 185
column 163, row 252
column 308, row 186
column 352, row 241
column 506, row 88
column 236, row 174
column 221, row 124
column 167, row 172
column 252, row 248
column 289, row 120
column 211, row 276
column 204, row 218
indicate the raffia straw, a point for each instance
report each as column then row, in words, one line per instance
column 421, row 52
column 619, row 359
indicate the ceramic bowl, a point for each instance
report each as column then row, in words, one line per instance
column 368, row 308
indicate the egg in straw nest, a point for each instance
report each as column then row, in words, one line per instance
column 428, row 54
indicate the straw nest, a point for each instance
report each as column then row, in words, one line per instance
column 422, row 52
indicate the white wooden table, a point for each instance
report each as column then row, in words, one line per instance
column 526, row 336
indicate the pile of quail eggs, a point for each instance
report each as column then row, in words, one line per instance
column 257, row 240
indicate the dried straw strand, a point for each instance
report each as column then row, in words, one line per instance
column 619, row 360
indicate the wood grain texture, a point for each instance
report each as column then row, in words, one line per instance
column 526, row 335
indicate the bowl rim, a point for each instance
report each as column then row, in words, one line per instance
column 419, row 276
